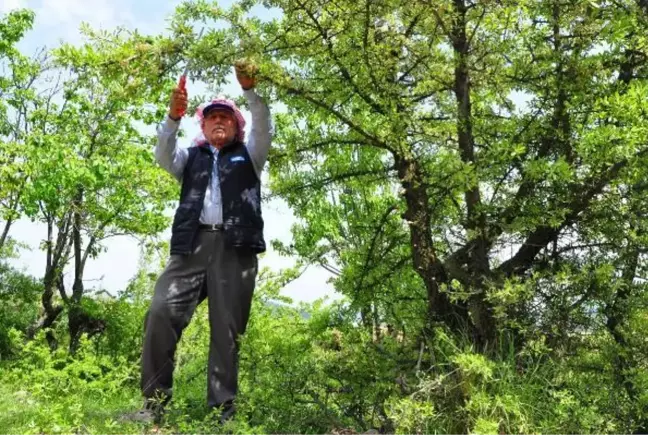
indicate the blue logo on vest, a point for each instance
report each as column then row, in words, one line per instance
column 237, row 159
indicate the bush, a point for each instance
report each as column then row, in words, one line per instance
column 51, row 392
column 19, row 305
column 313, row 369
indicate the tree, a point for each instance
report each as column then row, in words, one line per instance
column 80, row 161
column 14, row 90
column 109, row 185
column 510, row 136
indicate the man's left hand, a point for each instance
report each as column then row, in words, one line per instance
column 246, row 73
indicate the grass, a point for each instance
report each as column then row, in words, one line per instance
column 40, row 408
column 27, row 411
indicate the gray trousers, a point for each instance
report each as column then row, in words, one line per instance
column 226, row 278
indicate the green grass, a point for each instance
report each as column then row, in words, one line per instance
column 64, row 406
column 23, row 411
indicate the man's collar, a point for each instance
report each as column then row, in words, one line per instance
column 209, row 146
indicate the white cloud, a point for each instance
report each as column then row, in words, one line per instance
column 61, row 18
column 9, row 5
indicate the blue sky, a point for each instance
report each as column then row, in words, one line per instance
column 58, row 21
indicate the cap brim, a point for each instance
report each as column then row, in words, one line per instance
column 216, row 106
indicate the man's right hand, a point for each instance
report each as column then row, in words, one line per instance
column 178, row 105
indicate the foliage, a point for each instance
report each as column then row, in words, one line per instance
column 18, row 306
column 312, row 371
column 56, row 393
column 472, row 174
column 73, row 131
column 478, row 166
column 12, row 28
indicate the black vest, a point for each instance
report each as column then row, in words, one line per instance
column 240, row 194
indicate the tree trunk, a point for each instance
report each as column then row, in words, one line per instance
column 44, row 322
column 13, row 206
column 51, row 311
column 53, row 279
column 76, row 315
column 365, row 317
column 479, row 267
column 616, row 313
column 426, row 263
column 5, row 233
column 79, row 321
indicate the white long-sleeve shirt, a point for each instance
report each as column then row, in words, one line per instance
column 173, row 158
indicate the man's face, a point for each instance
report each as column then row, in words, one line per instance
column 219, row 127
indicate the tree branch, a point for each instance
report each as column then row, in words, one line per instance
column 352, row 125
column 343, row 70
column 372, row 246
column 538, row 239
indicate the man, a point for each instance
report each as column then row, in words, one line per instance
column 217, row 233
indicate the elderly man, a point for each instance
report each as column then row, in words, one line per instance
column 217, row 233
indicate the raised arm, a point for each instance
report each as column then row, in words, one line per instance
column 167, row 153
column 260, row 138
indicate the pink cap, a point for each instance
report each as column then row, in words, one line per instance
column 225, row 104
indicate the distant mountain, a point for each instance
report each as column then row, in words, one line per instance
column 276, row 305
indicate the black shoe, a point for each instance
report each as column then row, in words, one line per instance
column 227, row 412
column 224, row 412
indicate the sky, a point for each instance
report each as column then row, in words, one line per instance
column 59, row 21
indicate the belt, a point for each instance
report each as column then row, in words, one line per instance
column 211, row 227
